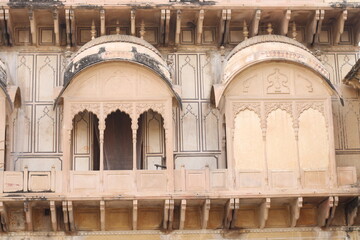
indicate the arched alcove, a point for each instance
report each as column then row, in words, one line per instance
column 114, row 75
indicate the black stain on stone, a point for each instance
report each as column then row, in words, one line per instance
column 34, row 3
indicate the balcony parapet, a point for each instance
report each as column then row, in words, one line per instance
column 214, row 183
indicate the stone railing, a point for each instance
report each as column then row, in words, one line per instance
column 180, row 181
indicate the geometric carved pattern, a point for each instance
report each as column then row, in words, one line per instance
column 46, row 77
column 45, row 129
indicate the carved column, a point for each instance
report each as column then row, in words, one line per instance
column 263, row 130
column 101, row 141
column 169, row 145
column 2, row 133
column 296, row 115
column 330, row 131
column 66, row 146
column 134, row 128
column 230, row 116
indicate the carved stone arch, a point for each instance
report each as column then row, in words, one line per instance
column 239, row 107
column 273, row 106
column 109, row 108
column 317, row 106
column 156, row 107
column 76, row 108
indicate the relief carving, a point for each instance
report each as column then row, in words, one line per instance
column 308, row 84
column 247, row 83
column 238, row 107
column 90, row 107
column 286, row 106
column 318, row 106
column 277, row 82
column 156, row 107
column 108, row 108
column 301, row 107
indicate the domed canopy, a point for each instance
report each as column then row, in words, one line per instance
column 264, row 48
column 115, row 48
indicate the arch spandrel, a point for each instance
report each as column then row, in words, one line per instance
column 277, row 79
column 117, row 81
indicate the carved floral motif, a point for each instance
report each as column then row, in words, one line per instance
column 157, row 107
column 277, row 82
column 270, row 107
column 90, row 107
column 239, row 106
column 108, row 108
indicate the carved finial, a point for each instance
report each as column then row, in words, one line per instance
column 117, row 28
column 222, row 51
column 294, row 32
column 93, row 30
column 245, row 30
column 317, row 53
column 142, row 29
column 269, row 28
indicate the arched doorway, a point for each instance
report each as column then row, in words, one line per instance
column 118, row 152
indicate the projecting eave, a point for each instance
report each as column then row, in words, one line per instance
column 11, row 92
column 353, row 76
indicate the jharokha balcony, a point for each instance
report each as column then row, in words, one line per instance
column 118, row 171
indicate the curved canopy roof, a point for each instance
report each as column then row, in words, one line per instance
column 117, row 48
column 3, row 80
column 264, row 48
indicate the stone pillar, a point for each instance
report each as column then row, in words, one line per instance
column 169, row 146
column 66, row 146
column 101, row 140
column 134, row 128
column 2, row 133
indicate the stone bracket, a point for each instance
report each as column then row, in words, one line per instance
column 53, row 215
column 182, row 214
column 326, row 211
column 171, row 214
column 178, row 27
column 199, row 26
column 295, row 207
column 285, row 22
column 351, row 211
column 135, row 214
column 254, row 27
column 28, row 215
column 264, row 212
column 339, row 26
column 205, row 214
column 33, row 27
column 3, row 216
column 102, row 215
